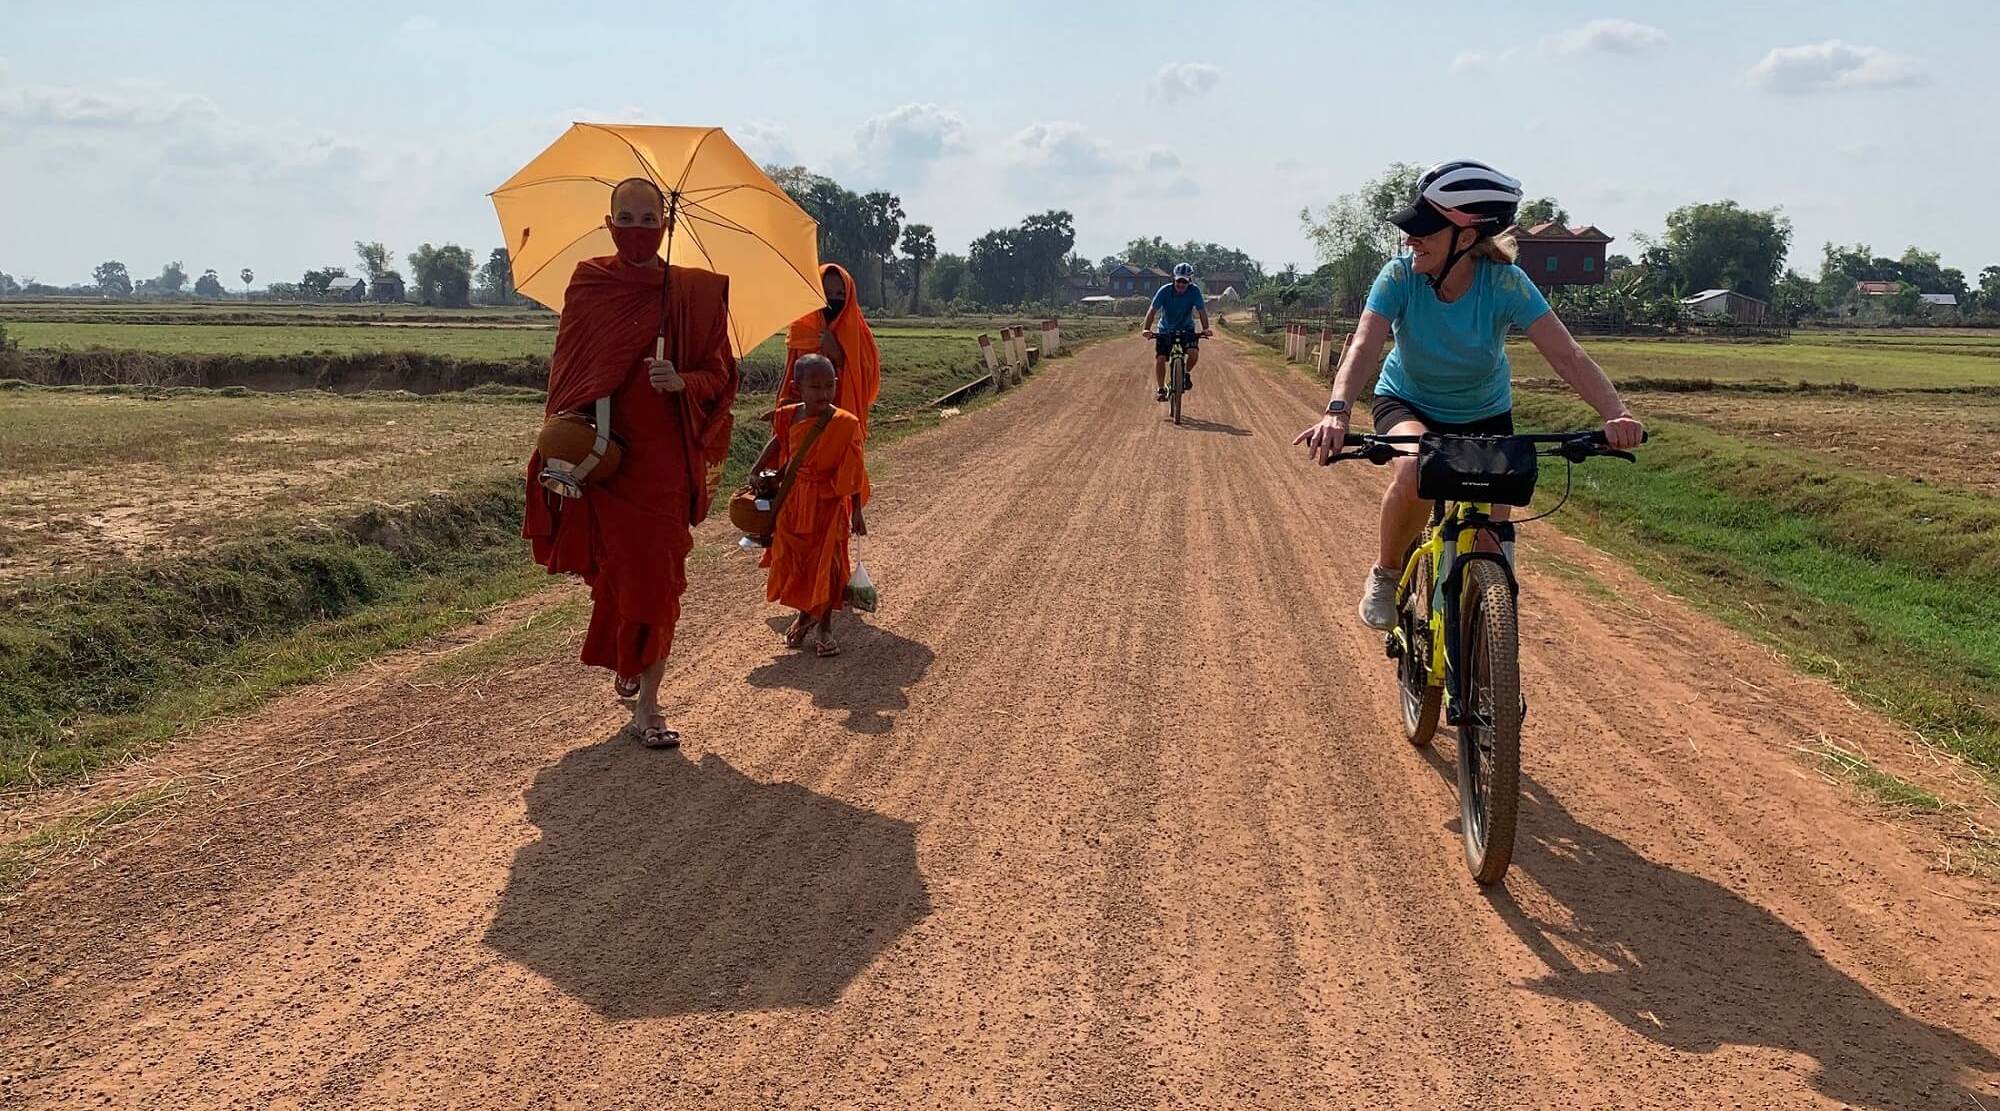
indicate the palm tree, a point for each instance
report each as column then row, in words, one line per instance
column 881, row 219
column 920, row 247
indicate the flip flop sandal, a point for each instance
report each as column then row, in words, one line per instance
column 656, row 736
column 795, row 637
column 626, row 688
column 826, row 649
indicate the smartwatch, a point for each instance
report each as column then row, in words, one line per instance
column 1336, row 408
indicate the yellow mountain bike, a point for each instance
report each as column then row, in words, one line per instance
column 1456, row 640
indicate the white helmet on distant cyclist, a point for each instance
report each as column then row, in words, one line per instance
column 1183, row 270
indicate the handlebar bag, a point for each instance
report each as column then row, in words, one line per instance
column 1498, row 470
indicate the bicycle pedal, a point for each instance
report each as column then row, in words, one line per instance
column 1392, row 647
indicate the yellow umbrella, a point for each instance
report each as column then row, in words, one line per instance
column 724, row 215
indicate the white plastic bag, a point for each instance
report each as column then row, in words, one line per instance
column 860, row 594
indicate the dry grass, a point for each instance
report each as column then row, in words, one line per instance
column 89, row 481
column 1949, row 439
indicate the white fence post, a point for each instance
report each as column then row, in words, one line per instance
column 1325, row 351
column 992, row 362
column 1051, row 338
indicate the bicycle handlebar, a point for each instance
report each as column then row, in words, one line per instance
column 1573, row 446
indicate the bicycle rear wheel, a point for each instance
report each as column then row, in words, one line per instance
column 1176, row 382
column 1421, row 699
column 1489, row 738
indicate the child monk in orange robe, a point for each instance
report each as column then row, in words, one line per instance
column 808, row 560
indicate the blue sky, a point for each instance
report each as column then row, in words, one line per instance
column 228, row 134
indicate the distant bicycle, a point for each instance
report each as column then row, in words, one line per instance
column 1177, row 372
column 1456, row 639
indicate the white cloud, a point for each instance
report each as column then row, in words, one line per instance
column 111, row 109
column 1834, row 66
column 1060, row 149
column 1483, row 61
column 1599, row 36
column 766, row 143
column 1160, row 159
column 1605, row 36
column 1860, row 151
column 910, row 136
column 1181, row 80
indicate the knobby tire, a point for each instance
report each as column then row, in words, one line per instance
column 1489, row 740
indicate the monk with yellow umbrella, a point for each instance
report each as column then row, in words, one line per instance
column 644, row 370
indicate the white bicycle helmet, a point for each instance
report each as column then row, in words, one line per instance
column 1183, row 270
column 1461, row 193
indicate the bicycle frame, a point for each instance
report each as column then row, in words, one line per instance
column 1449, row 545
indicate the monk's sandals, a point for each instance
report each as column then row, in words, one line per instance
column 655, row 736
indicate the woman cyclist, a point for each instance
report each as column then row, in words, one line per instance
column 1449, row 301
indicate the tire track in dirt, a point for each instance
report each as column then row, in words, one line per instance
column 1108, row 808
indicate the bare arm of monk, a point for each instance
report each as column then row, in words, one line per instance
column 829, row 345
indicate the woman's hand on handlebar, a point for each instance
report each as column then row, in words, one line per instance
column 1624, row 432
column 1325, row 439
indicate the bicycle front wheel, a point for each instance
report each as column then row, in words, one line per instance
column 1176, row 382
column 1489, row 737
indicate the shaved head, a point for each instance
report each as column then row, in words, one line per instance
column 812, row 368
column 635, row 197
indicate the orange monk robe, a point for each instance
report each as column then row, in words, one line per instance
column 860, row 364
column 629, row 535
column 808, row 557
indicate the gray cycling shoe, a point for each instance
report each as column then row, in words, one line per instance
column 1378, row 599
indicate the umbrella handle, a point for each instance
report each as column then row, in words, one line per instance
column 666, row 276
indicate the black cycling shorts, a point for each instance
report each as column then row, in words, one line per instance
column 1163, row 342
column 1391, row 411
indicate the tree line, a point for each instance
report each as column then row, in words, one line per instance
column 445, row 276
column 1713, row 245
column 896, row 262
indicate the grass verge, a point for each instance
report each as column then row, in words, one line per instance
column 92, row 668
column 1888, row 587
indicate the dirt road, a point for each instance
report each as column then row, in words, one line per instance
column 1106, row 809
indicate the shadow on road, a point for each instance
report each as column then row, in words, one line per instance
column 1688, row 963
column 868, row 681
column 1200, row 425
column 660, row 886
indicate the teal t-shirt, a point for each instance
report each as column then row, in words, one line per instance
column 1450, row 360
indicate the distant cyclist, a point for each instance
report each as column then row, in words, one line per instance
column 1449, row 300
column 1176, row 306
